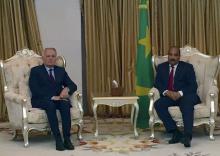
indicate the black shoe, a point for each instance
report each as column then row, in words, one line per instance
column 68, row 145
column 60, row 146
column 176, row 138
column 186, row 140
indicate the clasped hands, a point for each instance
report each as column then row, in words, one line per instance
column 63, row 95
column 173, row 95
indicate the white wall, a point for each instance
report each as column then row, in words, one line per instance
column 60, row 27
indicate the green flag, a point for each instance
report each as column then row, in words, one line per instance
column 144, row 70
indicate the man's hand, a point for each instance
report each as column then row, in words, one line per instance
column 173, row 95
column 64, row 93
column 55, row 98
column 176, row 95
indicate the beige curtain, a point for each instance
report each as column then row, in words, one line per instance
column 110, row 37
column 182, row 22
column 18, row 30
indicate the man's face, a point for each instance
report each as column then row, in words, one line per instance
column 173, row 56
column 49, row 57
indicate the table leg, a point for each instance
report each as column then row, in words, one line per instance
column 132, row 115
column 136, row 106
column 96, row 120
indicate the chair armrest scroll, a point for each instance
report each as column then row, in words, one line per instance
column 212, row 100
column 19, row 109
column 153, row 95
column 17, row 98
column 76, row 99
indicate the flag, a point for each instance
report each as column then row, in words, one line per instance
column 144, row 69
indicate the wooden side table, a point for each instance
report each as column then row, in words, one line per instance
column 117, row 101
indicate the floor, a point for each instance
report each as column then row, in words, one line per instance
column 111, row 132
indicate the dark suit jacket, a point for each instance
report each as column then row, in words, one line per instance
column 184, row 79
column 42, row 89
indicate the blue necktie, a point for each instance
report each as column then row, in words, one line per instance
column 51, row 75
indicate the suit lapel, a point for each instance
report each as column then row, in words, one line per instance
column 167, row 72
column 178, row 71
column 45, row 73
column 56, row 73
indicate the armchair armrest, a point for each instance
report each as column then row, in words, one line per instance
column 153, row 95
column 76, row 100
column 19, row 111
column 17, row 98
column 212, row 100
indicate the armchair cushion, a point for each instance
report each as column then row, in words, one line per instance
column 200, row 111
column 36, row 115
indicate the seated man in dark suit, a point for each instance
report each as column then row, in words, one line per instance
column 177, row 85
column 51, row 86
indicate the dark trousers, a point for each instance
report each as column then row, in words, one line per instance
column 186, row 105
column 64, row 107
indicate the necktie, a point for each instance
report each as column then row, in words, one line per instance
column 51, row 75
column 170, row 80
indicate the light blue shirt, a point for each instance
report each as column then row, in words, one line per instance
column 48, row 71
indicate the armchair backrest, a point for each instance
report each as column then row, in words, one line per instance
column 206, row 67
column 16, row 71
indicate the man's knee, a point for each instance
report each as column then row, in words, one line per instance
column 189, row 99
column 64, row 105
column 50, row 106
column 158, row 104
column 161, row 102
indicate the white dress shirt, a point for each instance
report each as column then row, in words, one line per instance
column 174, row 71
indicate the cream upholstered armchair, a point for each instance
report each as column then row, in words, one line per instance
column 206, row 70
column 15, row 74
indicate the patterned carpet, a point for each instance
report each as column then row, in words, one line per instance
column 117, row 136
column 122, row 144
column 191, row 154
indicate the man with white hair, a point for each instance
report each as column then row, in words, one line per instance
column 51, row 86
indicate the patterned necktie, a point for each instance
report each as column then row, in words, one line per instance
column 170, row 80
column 51, row 74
